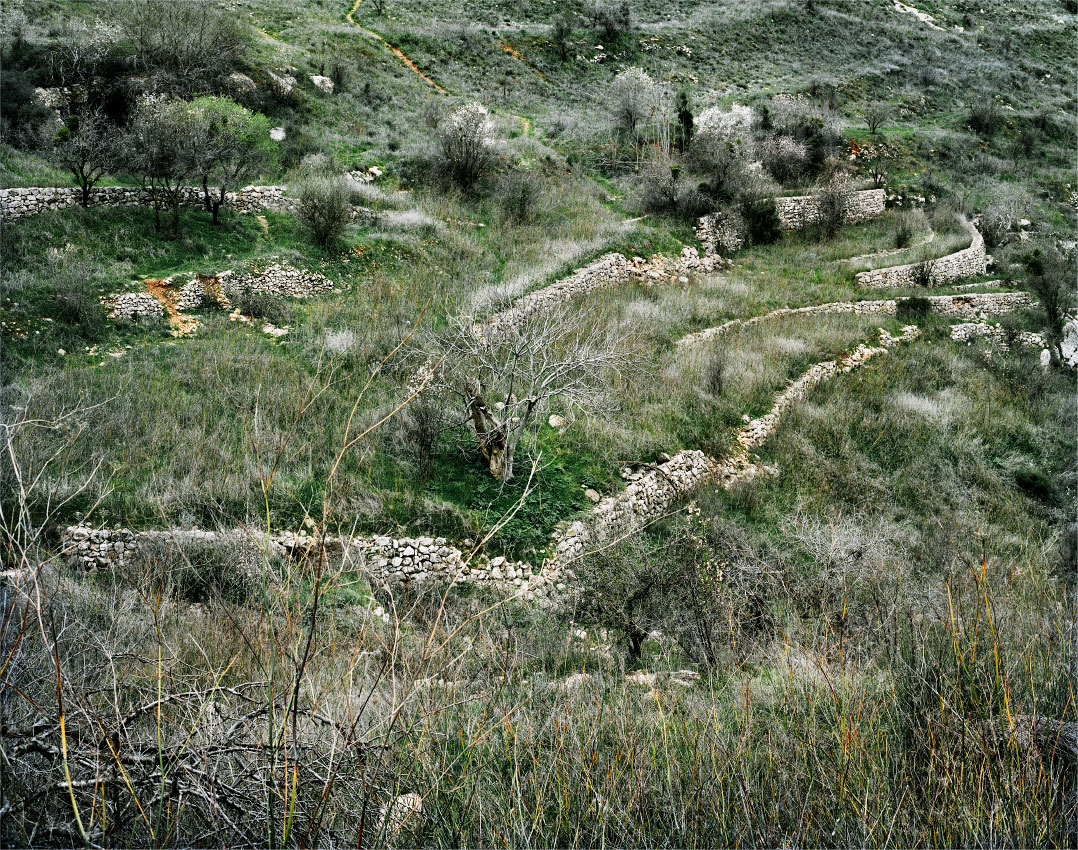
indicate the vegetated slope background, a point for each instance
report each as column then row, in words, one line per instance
column 868, row 624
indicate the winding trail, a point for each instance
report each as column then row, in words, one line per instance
column 396, row 51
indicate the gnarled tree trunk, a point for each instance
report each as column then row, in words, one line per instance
column 488, row 433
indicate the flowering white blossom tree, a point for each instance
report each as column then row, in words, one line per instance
column 467, row 143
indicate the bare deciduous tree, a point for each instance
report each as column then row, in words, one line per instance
column 184, row 45
column 87, row 147
column 876, row 115
column 506, row 380
column 163, row 149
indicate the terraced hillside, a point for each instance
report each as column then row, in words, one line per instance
column 555, row 424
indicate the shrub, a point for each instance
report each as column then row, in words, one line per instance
column 419, row 427
column 611, row 17
column 1001, row 217
column 263, row 305
column 692, row 203
column 660, row 184
column 903, row 232
column 762, row 226
column 466, row 144
column 784, row 157
column 985, row 117
column 519, row 193
column 199, row 571
column 323, row 206
column 23, row 121
column 715, row 368
column 923, row 273
column 913, row 309
column 833, row 201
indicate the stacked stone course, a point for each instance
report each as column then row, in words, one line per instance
column 653, row 494
column 608, row 271
column 389, row 562
column 971, row 306
column 969, row 262
column 19, row 203
column 798, row 211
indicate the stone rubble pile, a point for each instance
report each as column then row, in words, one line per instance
column 969, row 262
column 969, row 331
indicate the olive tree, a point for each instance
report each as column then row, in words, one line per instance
column 504, row 381
column 87, row 147
column 235, row 146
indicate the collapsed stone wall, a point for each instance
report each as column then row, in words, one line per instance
column 969, row 262
column 972, row 306
column 798, row 211
column 969, row 331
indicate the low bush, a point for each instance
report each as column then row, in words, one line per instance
column 323, row 206
column 985, row 117
column 913, row 309
column 519, row 193
column 262, row 305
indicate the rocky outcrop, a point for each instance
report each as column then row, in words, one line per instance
column 969, row 262
column 971, row 306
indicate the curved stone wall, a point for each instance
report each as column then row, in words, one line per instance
column 969, row 262
column 971, row 306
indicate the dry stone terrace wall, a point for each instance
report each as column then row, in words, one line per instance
column 18, row 203
column 969, row 262
column 971, row 306
column 401, row 562
column 389, row 562
column 608, row 271
column 653, row 494
column 718, row 236
column 800, row 211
